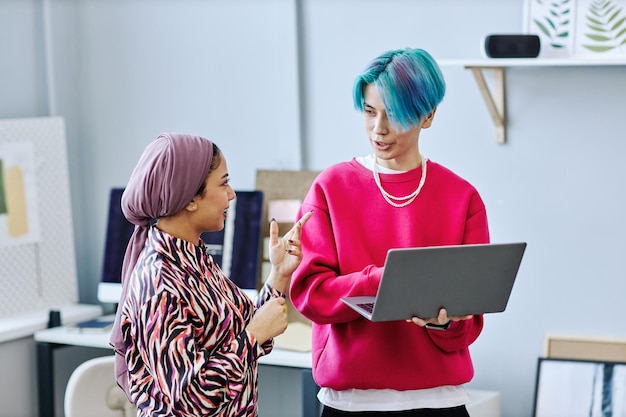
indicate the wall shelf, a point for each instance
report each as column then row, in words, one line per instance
column 494, row 97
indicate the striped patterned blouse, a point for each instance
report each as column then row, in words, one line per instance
column 183, row 324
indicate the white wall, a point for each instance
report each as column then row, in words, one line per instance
column 126, row 70
column 22, row 71
column 213, row 68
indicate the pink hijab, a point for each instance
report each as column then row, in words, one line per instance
column 166, row 178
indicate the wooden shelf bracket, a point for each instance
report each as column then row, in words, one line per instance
column 494, row 99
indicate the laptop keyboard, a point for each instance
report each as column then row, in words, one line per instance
column 369, row 307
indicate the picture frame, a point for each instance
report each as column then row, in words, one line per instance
column 588, row 347
column 579, row 388
column 578, row 29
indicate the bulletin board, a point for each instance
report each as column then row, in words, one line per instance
column 37, row 255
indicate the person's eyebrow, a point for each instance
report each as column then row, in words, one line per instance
column 369, row 106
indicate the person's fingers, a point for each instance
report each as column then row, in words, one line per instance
column 273, row 232
column 296, row 230
column 443, row 316
column 305, row 218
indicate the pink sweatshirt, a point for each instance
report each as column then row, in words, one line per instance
column 345, row 244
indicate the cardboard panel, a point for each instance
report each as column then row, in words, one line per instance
column 585, row 347
column 282, row 185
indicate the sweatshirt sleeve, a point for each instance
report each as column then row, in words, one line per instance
column 318, row 284
column 476, row 224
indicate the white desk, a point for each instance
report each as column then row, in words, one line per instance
column 26, row 324
column 62, row 336
column 49, row 339
column 482, row 403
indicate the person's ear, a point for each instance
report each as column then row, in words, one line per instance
column 191, row 206
column 428, row 120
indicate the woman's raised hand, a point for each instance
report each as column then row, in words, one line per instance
column 285, row 253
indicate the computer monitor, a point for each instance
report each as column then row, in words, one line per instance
column 236, row 248
column 118, row 234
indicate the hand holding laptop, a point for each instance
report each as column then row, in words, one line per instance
column 440, row 322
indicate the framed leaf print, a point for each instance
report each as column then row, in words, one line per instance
column 582, row 29
column 580, row 388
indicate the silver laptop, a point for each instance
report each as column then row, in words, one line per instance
column 463, row 279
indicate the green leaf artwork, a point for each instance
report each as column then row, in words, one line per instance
column 3, row 200
column 605, row 26
column 556, row 22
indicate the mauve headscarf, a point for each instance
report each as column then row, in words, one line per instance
column 166, row 178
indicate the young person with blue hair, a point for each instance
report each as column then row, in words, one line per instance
column 393, row 198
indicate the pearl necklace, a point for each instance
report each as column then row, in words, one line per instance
column 407, row 199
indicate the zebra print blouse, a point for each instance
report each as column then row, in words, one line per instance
column 187, row 350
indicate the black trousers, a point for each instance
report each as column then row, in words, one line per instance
column 459, row 411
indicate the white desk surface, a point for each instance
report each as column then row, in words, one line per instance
column 63, row 336
column 26, row 324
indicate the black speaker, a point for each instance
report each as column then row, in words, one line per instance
column 512, row 46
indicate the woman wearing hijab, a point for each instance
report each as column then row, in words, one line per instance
column 187, row 339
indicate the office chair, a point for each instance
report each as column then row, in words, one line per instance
column 92, row 391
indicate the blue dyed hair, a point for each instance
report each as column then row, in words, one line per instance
column 409, row 83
